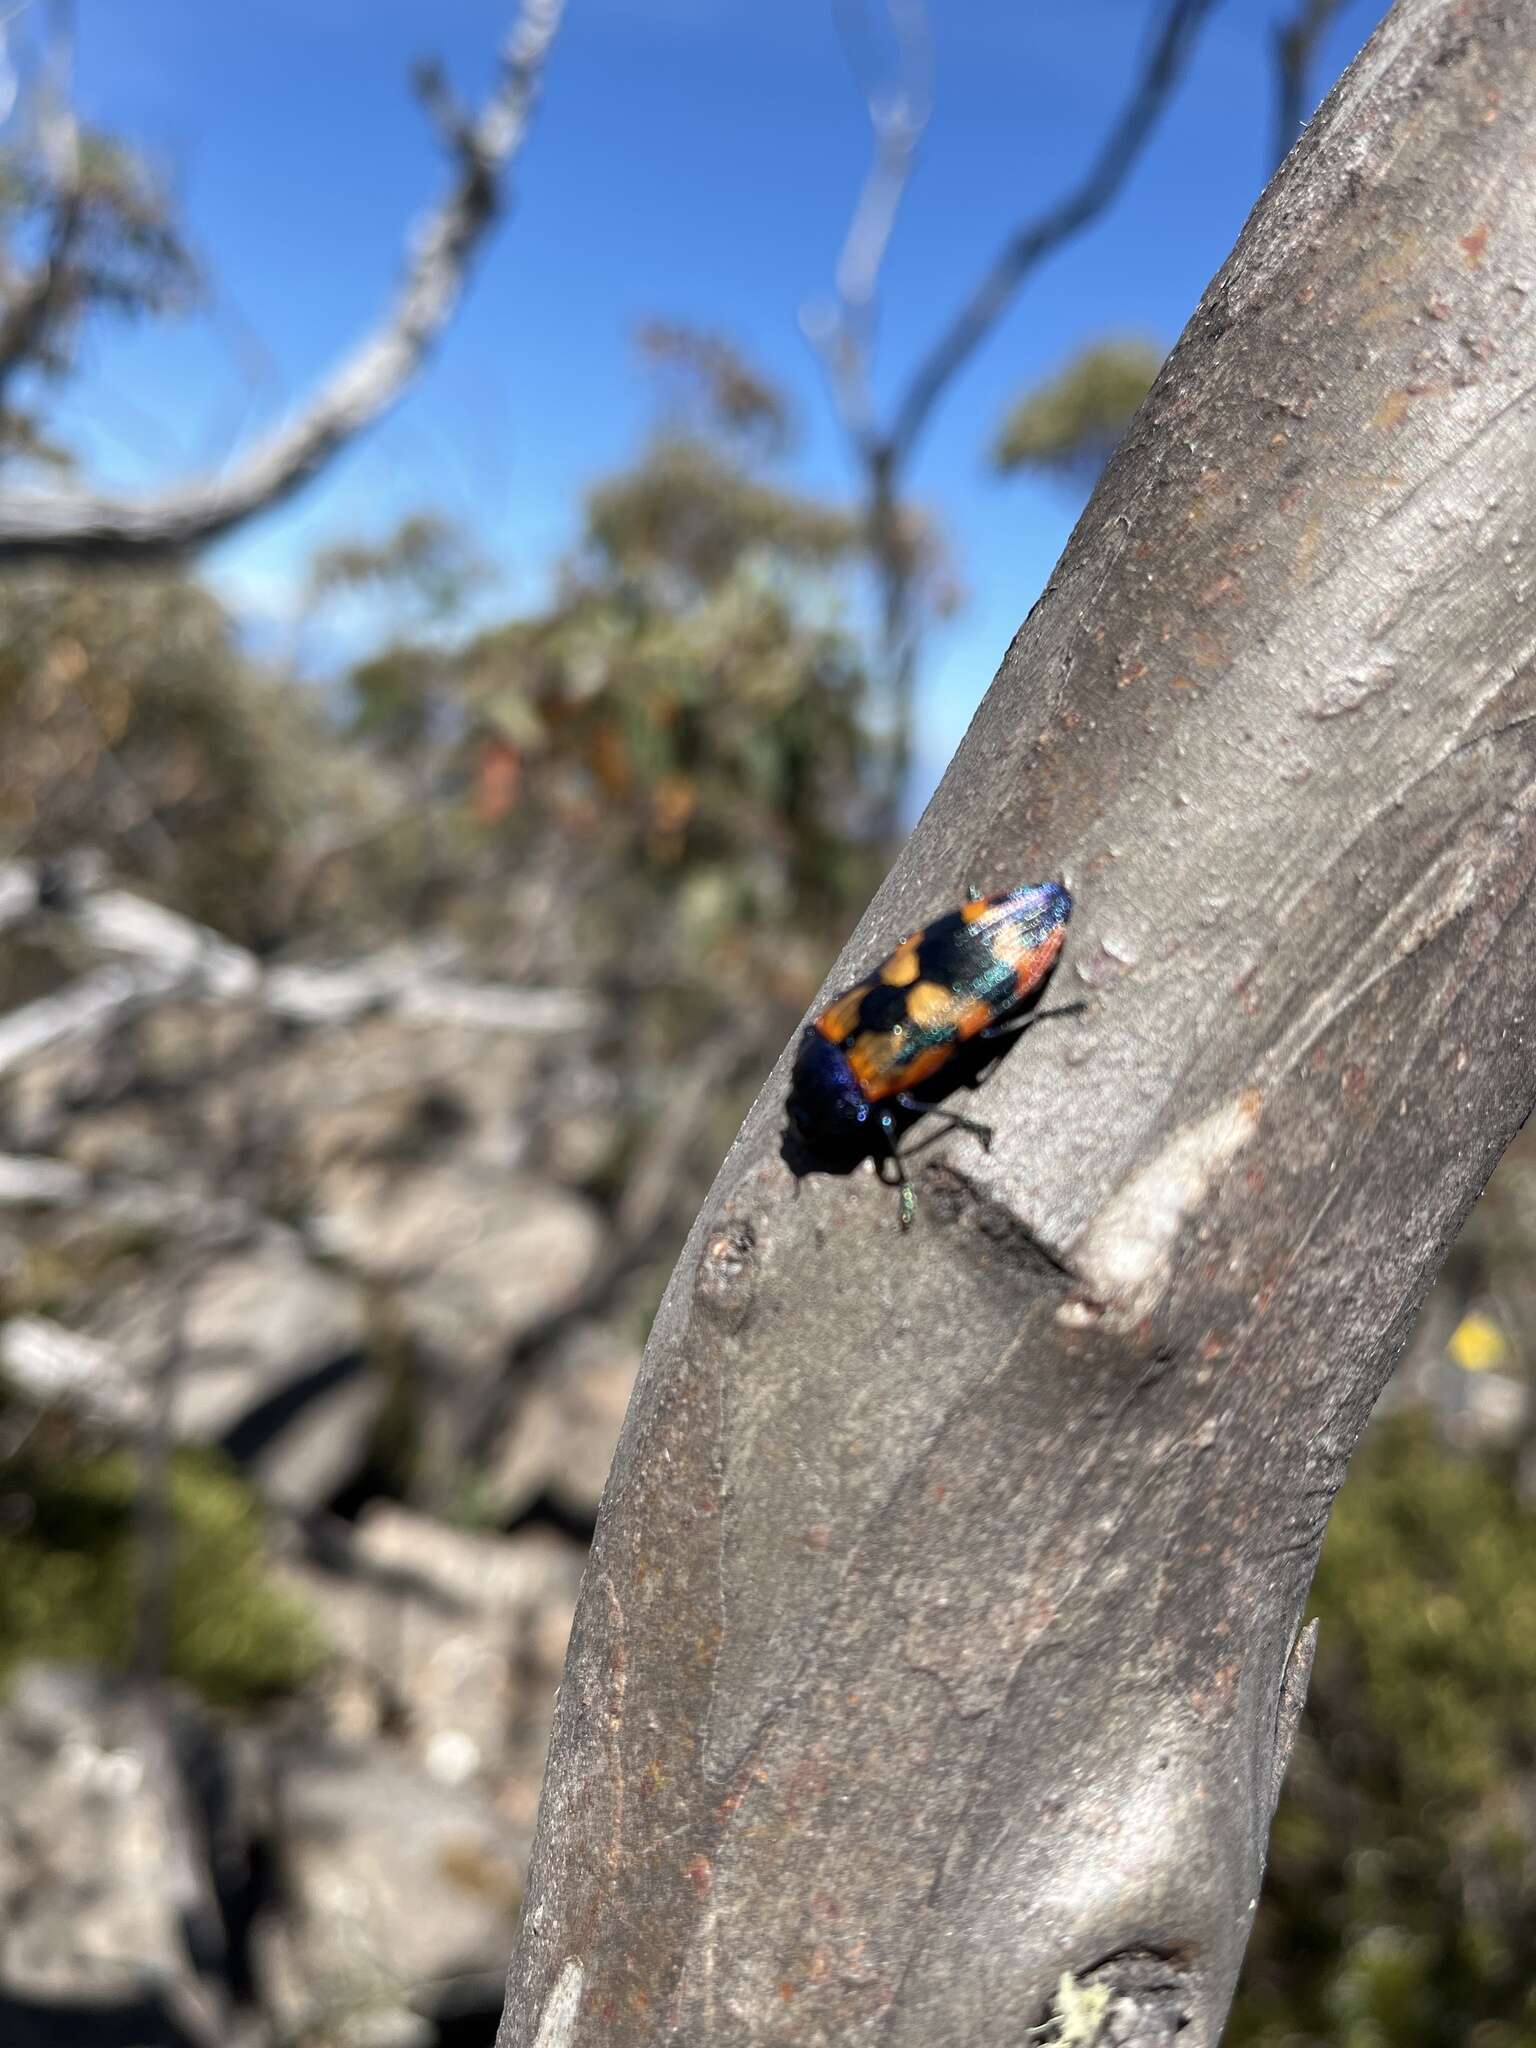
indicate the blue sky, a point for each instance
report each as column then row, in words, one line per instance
column 695, row 159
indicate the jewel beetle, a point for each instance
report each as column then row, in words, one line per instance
column 950, row 982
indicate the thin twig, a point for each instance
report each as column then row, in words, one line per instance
column 363, row 386
column 898, row 110
column 843, row 333
column 1296, row 44
column 155, row 1515
column 1028, row 246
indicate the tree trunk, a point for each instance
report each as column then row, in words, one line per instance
column 940, row 1636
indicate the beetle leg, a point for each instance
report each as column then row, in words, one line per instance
column 955, row 1121
column 908, row 1197
column 1013, row 1028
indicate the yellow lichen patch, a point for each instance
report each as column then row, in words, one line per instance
column 841, row 1018
column 1079, row 2015
column 901, row 969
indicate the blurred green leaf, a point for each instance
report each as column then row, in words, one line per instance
column 1069, row 424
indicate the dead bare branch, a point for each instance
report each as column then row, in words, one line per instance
column 1028, row 246
column 51, row 1367
column 153, row 954
column 842, row 333
column 361, row 388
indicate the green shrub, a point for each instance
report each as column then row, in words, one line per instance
column 1400, row 1909
column 71, row 1577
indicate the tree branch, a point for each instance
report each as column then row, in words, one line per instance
column 361, row 387
column 156, row 954
column 941, row 1629
column 32, row 299
column 843, row 333
column 1028, row 246
column 1296, row 44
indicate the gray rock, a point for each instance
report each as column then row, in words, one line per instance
column 475, row 1256
column 273, row 1370
column 396, row 1887
column 561, row 1440
column 455, row 1639
column 104, row 1889
column 380, row 1089
column 124, row 1137
column 41, row 1097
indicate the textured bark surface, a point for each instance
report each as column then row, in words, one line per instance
column 935, row 1638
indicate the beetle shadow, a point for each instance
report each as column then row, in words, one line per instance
column 964, row 1071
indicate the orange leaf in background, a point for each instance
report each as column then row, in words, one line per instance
column 673, row 803
column 498, row 778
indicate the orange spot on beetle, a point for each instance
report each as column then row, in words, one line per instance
column 900, row 971
column 841, row 1018
column 930, row 1006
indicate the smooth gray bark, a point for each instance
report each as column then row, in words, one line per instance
column 936, row 1635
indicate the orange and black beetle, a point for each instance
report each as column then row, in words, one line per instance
column 954, row 980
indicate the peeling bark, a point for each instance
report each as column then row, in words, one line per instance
column 940, row 1636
